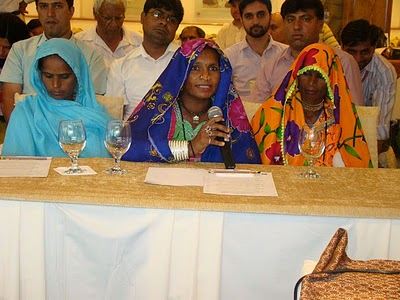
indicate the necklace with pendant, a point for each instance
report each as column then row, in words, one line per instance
column 195, row 116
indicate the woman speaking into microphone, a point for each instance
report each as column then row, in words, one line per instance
column 171, row 123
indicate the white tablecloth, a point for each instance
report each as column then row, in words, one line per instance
column 64, row 251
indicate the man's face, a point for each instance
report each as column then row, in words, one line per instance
column 4, row 48
column 362, row 53
column 110, row 18
column 302, row 29
column 188, row 33
column 255, row 19
column 235, row 13
column 55, row 16
column 159, row 26
column 277, row 28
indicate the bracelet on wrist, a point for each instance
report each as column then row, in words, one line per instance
column 179, row 149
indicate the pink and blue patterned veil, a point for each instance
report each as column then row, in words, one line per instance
column 154, row 119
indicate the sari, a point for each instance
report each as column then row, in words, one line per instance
column 33, row 126
column 153, row 122
column 278, row 121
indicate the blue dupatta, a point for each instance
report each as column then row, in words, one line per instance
column 33, row 126
column 153, row 120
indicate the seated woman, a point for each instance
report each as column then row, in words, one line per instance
column 171, row 122
column 61, row 79
column 314, row 92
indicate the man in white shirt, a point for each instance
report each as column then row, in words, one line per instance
column 109, row 37
column 303, row 20
column 246, row 56
column 16, row 7
column 133, row 75
column 359, row 38
column 55, row 16
column 233, row 32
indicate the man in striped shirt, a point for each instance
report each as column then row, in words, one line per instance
column 378, row 76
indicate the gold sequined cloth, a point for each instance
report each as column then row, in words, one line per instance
column 338, row 277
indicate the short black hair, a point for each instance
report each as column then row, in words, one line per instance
column 244, row 3
column 171, row 5
column 293, row 6
column 359, row 31
column 12, row 28
column 69, row 2
column 34, row 23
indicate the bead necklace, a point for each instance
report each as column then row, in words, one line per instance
column 195, row 116
column 312, row 107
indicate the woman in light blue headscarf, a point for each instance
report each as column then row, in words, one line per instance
column 64, row 91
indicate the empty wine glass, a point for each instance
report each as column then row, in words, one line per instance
column 118, row 140
column 311, row 145
column 72, row 139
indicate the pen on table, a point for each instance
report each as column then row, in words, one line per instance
column 25, row 158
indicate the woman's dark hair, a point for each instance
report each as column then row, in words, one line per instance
column 171, row 5
column 359, row 31
column 69, row 2
column 12, row 28
column 293, row 6
column 244, row 3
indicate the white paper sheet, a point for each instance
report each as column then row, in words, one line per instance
column 175, row 176
column 239, row 183
column 86, row 170
column 24, row 166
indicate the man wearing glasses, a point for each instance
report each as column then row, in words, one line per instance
column 133, row 75
column 109, row 37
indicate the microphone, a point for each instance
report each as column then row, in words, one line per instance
column 226, row 150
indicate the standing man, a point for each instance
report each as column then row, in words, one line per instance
column 247, row 56
column 109, row 37
column 359, row 38
column 233, row 32
column 133, row 75
column 303, row 22
column 55, row 16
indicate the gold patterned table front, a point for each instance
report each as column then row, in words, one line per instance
column 339, row 192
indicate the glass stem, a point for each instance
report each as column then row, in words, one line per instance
column 310, row 166
column 117, row 163
column 74, row 162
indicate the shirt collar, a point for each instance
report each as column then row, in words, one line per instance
column 43, row 38
column 140, row 51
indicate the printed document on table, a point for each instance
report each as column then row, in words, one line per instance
column 240, row 183
column 175, row 176
column 24, row 166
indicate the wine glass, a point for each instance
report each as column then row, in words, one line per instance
column 118, row 140
column 311, row 145
column 72, row 139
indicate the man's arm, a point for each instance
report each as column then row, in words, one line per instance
column 385, row 96
column 353, row 77
column 9, row 90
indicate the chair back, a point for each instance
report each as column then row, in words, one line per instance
column 369, row 121
column 250, row 108
column 113, row 105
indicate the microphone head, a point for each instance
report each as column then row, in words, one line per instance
column 213, row 112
